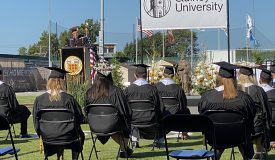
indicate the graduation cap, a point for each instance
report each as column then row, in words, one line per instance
column 57, row 72
column 74, row 29
column 246, row 70
column 168, row 69
column 227, row 70
column 265, row 74
column 272, row 68
column 141, row 68
column 108, row 76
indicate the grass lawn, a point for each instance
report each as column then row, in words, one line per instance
column 30, row 147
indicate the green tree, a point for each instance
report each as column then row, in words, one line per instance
column 23, row 51
column 154, row 44
column 116, row 74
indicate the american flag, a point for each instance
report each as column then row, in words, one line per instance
column 148, row 33
column 92, row 63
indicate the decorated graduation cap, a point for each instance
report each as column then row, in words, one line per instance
column 107, row 75
column 57, row 72
column 141, row 68
column 266, row 74
column 227, row 70
column 246, row 70
column 168, row 69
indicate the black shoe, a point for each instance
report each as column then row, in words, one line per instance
column 158, row 145
column 25, row 136
column 126, row 154
column 135, row 144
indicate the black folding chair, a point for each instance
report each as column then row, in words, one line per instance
column 144, row 116
column 58, row 127
column 104, row 120
column 230, row 130
column 189, row 123
column 4, row 125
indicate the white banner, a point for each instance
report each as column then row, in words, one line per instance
column 183, row 14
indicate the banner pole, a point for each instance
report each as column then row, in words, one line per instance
column 228, row 32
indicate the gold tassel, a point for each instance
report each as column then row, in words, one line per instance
column 41, row 144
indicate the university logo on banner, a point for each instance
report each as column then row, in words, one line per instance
column 183, row 14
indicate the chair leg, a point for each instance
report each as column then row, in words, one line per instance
column 12, row 142
column 232, row 155
column 93, row 147
column 82, row 155
column 178, row 139
column 166, row 147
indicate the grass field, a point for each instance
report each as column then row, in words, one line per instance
column 30, row 147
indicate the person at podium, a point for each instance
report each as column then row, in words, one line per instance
column 77, row 39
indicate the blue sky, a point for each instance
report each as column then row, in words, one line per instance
column 23, row 21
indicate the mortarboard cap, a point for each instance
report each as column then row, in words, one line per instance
column 272, row 68
column 107, row 75
column 74, row 29
column 168, row 69
column 226, row 70
column 57, row 72
column 246, row 70
column 141, row 68
column 265, row 74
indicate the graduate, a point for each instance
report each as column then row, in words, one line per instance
column 56, row 97
column 227, row 97
column 167, row 87
column 263, row 116
column 15, row 113
column 103, row 91
column 265, row 81
column 140, row 89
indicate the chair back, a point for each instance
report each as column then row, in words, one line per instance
column 4, row 107
column 229, row 126
column 143, row 112
column 103, row 118
column 57, row 126
column 171, row 104
column 187, row 123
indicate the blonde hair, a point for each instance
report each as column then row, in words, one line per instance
column 230, row 90
column 55, row 85
column 243, row 79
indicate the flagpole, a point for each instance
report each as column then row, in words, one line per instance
column 246, row 39
column 136, row 41
column 228, row 32
column 163, row 44
column 50, row 63
column 141, row 46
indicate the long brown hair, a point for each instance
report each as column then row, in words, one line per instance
column 99, row 89
column 229, row 84
column 55, row 85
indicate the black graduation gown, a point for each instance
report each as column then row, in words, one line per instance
column 145, row 92
column 117, row 98
column 213, row 100
column 271, row 96
column 173, row 90
column 16, row 113
column 7, row 92
column 263, row 115
column 68, row 102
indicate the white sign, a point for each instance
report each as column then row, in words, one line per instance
column 183, row 14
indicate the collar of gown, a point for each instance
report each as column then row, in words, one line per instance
column 266, row 87
column 167, row 81
column 49, row 91
column 220, row 88
column 140, row 82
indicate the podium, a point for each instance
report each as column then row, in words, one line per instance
column 76, row 60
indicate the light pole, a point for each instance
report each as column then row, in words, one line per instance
column 101, row 32
column 49, row 32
